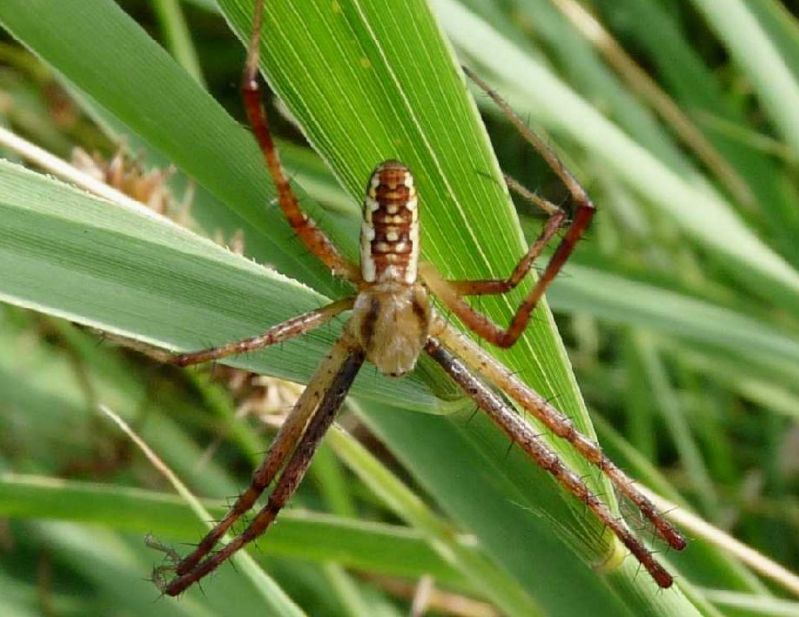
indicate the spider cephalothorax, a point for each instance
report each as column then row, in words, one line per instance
column 392, row 323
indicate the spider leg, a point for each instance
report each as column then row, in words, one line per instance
column 501, row 377
column 521, row 434
column 323, row 395
column 314, row 238
column 522, row 191
column 276, row 334
column 546, row 152
column 451, row 292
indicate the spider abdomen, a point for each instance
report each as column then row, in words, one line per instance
column 390, row 229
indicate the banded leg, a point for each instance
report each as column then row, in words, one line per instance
column 314, row 238
column 520, row 433
column 451, row 292
column 283, row 445
column 501, row 377
column 338, row 373
column 276, row 334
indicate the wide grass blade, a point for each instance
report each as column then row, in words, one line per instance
column 138, row 275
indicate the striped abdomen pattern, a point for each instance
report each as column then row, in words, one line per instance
column 390, row 228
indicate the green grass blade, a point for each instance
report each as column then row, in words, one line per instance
column 140, row 276
column 491, row 581
column 99, row 49
column 365, row 87
column 176, row 31
column 701, row 214
column 111, row 567
column 665, row 398
column 755, row 52
column 356, row 82
column 615, row 299
column 699, row 90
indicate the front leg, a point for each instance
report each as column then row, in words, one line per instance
column 451, row 292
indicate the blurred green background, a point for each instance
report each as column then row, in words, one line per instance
column 679, row 311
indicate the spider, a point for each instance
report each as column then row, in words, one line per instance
column 392, row 323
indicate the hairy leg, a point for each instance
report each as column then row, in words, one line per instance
column 520, row 433
column 314, row 238
column 451, row 292
column 339, row 373
column 283, row 445
column 544, row 204
column 500, row 376
column 276, row 334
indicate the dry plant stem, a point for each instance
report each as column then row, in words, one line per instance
column 444, row 602
column 520, row 433
column 339, row 373
column 421, row 596
column 701, row 529
column 501, row 377
column 66, row 171
column 290, row 328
